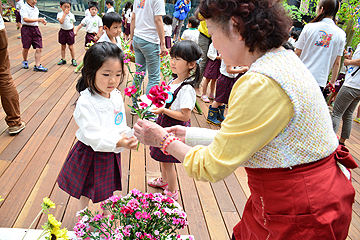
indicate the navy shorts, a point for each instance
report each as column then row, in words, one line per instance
column 66, row 37
column 31, row 36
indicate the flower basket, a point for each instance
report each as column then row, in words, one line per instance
column 138, row 215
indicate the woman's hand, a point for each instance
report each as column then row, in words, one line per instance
column 179, row 131
column 149, row 133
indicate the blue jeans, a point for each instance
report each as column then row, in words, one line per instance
column 147, row 54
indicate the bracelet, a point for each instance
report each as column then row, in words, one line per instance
column 168, row 141
column 164, row 138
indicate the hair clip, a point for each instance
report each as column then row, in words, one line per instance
column 198, row 61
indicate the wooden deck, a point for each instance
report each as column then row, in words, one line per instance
column 31, row 161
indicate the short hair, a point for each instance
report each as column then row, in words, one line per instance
column 111, row 17
column 62, row 2
column 93, row 4
column 288, row 46
column 110, row 2
column 263, row 24
column 167, row 20
column 193, row 21
column 295, row 34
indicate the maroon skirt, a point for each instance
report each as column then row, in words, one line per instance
column 309, row 201
column 168, row 42
column 127, row 29
column 212, row 69
column 166, row 121
column 224, row 86
column 95, row 175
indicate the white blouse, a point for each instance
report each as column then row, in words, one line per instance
column 101, row 120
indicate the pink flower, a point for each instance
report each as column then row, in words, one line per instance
column 157, row 96
column 138, row 215
column 126, row 60
column 97, row 217
column 145, row 215
column 130, row 91
column 143, row 105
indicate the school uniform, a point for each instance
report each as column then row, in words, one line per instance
column 66, row 33
column 18, row 7
column 30, row 32
column 225, row 83
column 92, row 24
column 168, row 32
column 93, row 166
column 105, row 38
column 212, row 69
column 184, row 96
column 128, row 16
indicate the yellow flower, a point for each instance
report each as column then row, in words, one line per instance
column 53, row 222
column 47, row 203
column 1, row 199
column 60, row 234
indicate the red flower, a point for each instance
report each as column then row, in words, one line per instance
column 157, row 96
column 130, row 91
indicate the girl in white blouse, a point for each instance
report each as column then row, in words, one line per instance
column 92, row 169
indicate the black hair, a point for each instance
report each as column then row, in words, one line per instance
column 111, row 17
column 128, row 5
column 295, row 34
column 194, row 22
column 190, row 52
column 330, row 8
column 167, row 20
column 94, row 58
column 109, row 2
column 62, row 2
column 93, row 4
column 288, row 46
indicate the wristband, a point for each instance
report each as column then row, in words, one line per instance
column 167, row 142
column 164, row 139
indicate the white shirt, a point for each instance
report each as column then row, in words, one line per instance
column 68, row 21
column 101, row 120
column 19, row 4
column 145, row 12
column 128, row 15
column 167, row 30
column 110, row 10
column 92, row 23
column 105, row 38
column 2, row 25
column 353, row 81
column 87, row 13
column 29, row 12
column 224, row 72
column 212, row 52
column 321, row 43
column 185, row 98
column 191, row 34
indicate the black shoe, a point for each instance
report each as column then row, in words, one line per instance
column 73, row 62
column 62, row 62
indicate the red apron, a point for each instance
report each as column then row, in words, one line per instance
column 309, row 201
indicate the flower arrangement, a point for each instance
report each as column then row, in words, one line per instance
column 158, row 95
column 52, row 226
column 135, row 216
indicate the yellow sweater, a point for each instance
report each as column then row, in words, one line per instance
column 244, row 131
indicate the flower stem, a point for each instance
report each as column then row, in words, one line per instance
column 32, row 223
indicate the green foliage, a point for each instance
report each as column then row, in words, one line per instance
column 350, row 10
column 298, row 13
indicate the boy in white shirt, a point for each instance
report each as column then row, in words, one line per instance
column 112, row 26
column 93, row 24
column 66, row 33
column 191, row 33
column 31, row 35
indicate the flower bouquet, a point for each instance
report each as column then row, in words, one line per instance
column 137, row 215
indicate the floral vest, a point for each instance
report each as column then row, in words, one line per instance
column 309, row 135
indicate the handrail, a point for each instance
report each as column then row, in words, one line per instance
column 54, row 20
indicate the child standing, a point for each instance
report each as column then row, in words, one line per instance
column 128, row 17
column 192, row 32
column 211, row 73
column 228, row 76
column 110, row 6
column 31, row 35
column 18, row 6
column 167, row 20
column 66, row 33
column 93, row 24
column 184, row 62
column 92, row 169
column 112, row 26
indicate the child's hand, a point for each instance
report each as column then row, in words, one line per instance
column 42, row 20
column 125, row 142
column 67, row 11
column 75, row 32
column 96, row 38
column 157, row 111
